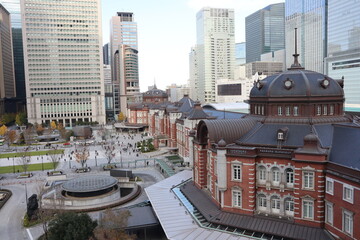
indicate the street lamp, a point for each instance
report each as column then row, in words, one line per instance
column 42, row 163
column 26, row 196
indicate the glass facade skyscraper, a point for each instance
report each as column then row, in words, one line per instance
column 344, row 46
column 13, row 6
column 63, row 61
column 240, row 53
column 264, row 31
column 310, row 18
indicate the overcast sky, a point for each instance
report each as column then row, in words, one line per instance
column 167, row 31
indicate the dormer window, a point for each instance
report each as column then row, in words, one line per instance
column 280, row 136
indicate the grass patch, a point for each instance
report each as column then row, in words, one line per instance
column 31, row 168
column 175, row 157
column 37, row 153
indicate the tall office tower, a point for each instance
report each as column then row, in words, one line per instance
column 124, row 57
column 193, row 74
column 215, row 49
column 63, row 61
column 106, row 52
column 310, row 18
column 7, row 80
column 240, row 53
column 344, row 47
column 265, row 31
column 13, row 6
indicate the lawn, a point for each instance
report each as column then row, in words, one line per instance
column 37, row 153
column 31, row 168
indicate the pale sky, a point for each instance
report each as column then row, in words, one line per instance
column 167, row 31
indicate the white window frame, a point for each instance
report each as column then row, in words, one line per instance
column 330, row 186
column 289, row 207
column 325, row 110
column 262, row 202
column 290, row 175
column 348, row 193
column 308, row 209
column 236, row 170
column 308, row 183
column 237, row 198
column 332, row 107
column 262, row 173
column 275, row 176
column 347, row 217
column 318, row 110
column 275, row 203
column 280, row 112
column 329, row 213
column 287, row 110
column 296, row 111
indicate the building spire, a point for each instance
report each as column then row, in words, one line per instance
column 296, row 64
column 155, row 83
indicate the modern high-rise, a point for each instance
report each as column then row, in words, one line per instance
column 215, row 49
column 124, row 57
column 106, row 52
column 265, row 31
column 310, row 18
column 7, row 80
column 343, row 47
column 13, row 6
column 193, row 74
column 63, row 61
column 240, row 53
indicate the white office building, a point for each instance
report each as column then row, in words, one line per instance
column 215, row 50
column 63, row 61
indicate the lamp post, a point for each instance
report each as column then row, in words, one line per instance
column 42, row 163
column 26, row 196
column 13, row 165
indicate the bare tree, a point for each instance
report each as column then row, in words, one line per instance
column 112, row 224
column 24, row 160
column 10, row 137
column 82, row 155
column 54, row 157
column 109, row 151
column 28, row 135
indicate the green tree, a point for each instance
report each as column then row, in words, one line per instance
column 21, row 118
column 8, row 118
column 71, row 226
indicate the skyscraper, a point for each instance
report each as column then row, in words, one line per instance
column 7, row 80
column 215, row 49
column 64, row 61
column 264, row 30
column 310, row 18
column 124, row 57
column 106, row 52
column 13, row 6
column 240, row 53
column 344, row 46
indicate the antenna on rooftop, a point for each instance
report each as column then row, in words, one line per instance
column 296, row 64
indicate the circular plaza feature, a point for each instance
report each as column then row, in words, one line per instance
column 89, row 186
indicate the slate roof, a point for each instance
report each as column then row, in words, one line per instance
column 221, row 115
column 345, row 146
column 279, row 228
column 305, row 83
column 187, row 104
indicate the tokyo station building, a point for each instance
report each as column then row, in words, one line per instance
column 290, row 169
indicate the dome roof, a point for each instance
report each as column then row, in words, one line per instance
column 155, row 93
column 297, row 83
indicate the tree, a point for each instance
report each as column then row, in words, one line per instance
column 121, row 117
column 54, row 158
column 10, row 137
column 7, row 118
column 62, row 131
column 21, row 118
column 39, row 129
column 53, row 125
column 82, row 156
column 24, row 160
column 28, row 135
column 109, row 151
column 3, row 130
column 71, row 226
column 112, row 226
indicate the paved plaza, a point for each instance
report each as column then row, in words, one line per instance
column 142, row 165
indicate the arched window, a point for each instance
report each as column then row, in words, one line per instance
column 275, row 204
column 275, row 175
column 289, row 176
column 261, row 174
column 261, row 202
column 289, row 206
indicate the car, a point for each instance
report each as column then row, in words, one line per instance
column 82, row 170
column 48, row 145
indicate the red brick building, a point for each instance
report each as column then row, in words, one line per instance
column 293, row 160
